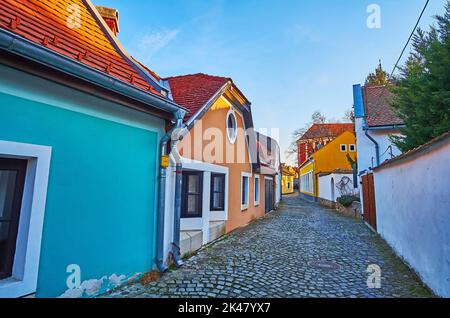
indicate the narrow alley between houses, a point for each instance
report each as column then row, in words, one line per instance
column 301, row 250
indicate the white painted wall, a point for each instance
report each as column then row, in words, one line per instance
column 277, row 189
column 413, row 214
column 325, row 189
column 366, row 148
column 194, row 224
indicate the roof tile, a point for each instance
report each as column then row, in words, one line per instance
column 377, row 107
column 195, row 90
column 327, row 130
column 44, row 22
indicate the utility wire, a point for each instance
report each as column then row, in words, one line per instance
column 410, row 37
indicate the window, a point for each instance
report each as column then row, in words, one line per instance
column 231, row 126
column 12, row 180
column 307, row 183
column 343, row 148
column 257, row 190
column 217, row 192
column 245, row 192
column 25, row 267
column 191, row 201
column 289, row 185
column 352, row 148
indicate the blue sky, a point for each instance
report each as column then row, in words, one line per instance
column 289, row 57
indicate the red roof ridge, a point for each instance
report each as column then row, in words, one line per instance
column 197, row 74
column 329, row 130
column 193, row 91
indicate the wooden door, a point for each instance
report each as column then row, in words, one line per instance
column 368, row 189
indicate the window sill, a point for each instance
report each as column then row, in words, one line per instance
column 13, row 288
column 244, row 208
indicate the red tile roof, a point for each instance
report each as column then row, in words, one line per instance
column 327, row 131
column 377, row 107
column 45, row 22
column 195, row 90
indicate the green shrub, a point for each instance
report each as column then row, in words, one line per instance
column 347, row 200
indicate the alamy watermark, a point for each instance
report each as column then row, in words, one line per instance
column 74, row 279
column 74, row 19
column 374, row 18
column 374, row 278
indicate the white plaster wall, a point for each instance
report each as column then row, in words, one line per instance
column 277, row 189
column 193, row 224
column 325, row 186
column 413, row 214
column 366, row 148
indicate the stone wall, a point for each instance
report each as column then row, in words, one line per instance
column 354, row 210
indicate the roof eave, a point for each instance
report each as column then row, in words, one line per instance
column 18, row 45
column 121, row 50
column 385, row 127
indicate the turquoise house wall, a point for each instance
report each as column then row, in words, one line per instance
column 101, row 200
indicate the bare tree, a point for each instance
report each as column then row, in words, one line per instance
column 349, row 116
column 316, row 118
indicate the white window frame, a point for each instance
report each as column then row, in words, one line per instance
column 350, row 148
column 24, row 278
column 257, row 180
column 345, row 147
column 249, row 176
column 233, row 138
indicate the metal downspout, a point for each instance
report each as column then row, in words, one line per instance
column 176, row 252
column 377, row 147
column 162, row 267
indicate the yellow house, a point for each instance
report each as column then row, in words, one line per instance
column 287, row 179
column 332, row 157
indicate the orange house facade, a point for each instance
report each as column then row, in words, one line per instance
column 224, row 183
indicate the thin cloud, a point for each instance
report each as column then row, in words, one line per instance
column 301, row 33
column 152, row 43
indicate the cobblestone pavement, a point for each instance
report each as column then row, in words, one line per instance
column 274, row 257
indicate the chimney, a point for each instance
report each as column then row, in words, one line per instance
column 111, row 17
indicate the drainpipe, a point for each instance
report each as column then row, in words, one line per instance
column 377, row 147
column 179, row 115
column 176, row 252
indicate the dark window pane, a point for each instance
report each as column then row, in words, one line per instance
column 257, row 190
column 7, row 186
column 192, row 204
column 217, row 184
column 4, row 230
column 192, row 195
column 216, row 200
column 194, row 184
column 244, row 190
column 217, row 192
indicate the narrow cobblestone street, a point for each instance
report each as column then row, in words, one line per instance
column 274, row 257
